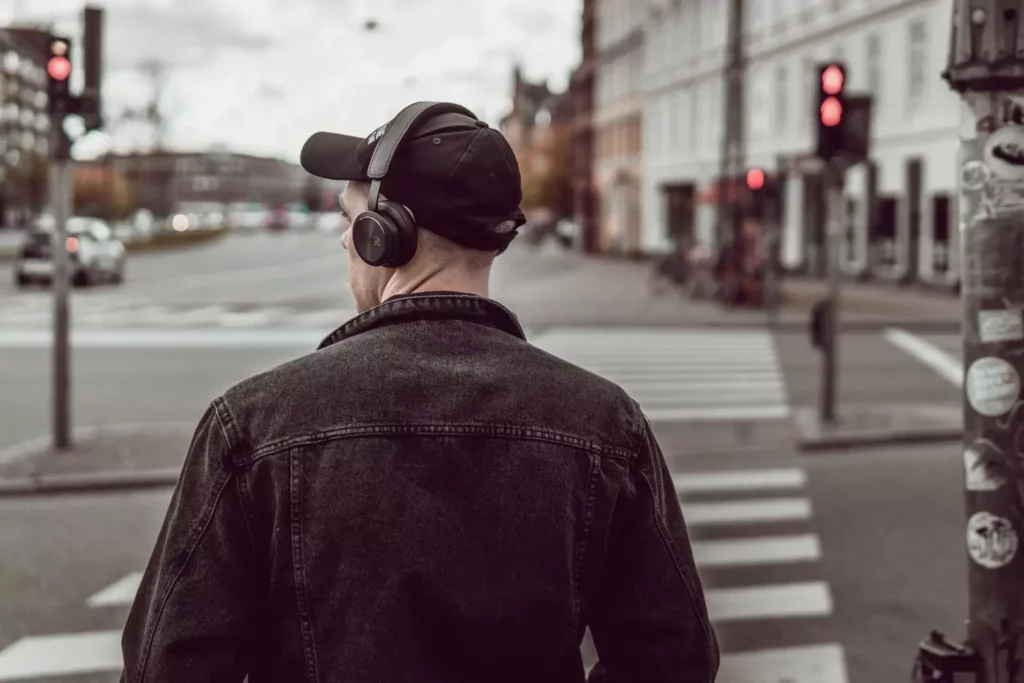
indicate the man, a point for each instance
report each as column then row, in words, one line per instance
column 427, row 497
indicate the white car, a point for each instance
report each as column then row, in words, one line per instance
column 95, row 254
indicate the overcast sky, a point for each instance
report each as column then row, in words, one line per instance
column 259, row 76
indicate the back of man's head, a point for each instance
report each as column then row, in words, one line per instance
column 457, row 176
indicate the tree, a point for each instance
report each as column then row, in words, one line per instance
column 29, row 182
column 313, row 194
column 552, row 188
column 102, row 192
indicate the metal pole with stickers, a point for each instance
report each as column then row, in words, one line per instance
column 987, row 71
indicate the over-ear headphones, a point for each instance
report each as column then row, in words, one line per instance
column 385, row 234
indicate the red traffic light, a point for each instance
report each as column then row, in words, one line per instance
column 755, row 179
column 832, row 80
column 59, row 68
column 831, row 112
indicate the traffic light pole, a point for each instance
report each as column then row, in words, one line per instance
column 60, row 200
column 986, row 69
column 835, row 173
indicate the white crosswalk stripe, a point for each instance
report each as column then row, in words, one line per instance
column 778, row 602
column 114, row 314
column 99, row 651
column 681, row 374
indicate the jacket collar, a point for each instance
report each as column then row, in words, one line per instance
column 429, row 305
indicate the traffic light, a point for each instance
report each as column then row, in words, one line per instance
column 755, row 179
column 759, row 186
column 831, row 110
column 58, row 69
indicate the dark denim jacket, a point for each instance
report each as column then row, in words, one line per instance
column 426, row 498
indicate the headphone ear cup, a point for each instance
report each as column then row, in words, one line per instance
column 373, row 238
column 406, row 237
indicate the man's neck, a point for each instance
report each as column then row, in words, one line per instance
column 437, row 280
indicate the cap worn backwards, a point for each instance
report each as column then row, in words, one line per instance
column 458, row 176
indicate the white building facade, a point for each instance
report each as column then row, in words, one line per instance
column 901, row 207
column 617, row 118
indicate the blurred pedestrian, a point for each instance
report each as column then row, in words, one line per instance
column 427, row 497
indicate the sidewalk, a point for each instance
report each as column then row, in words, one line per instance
column 616, row 290
column 105, row 458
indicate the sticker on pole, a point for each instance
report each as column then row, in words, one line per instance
column 993, row 386
column 1004, row 152
column 991, row 540
column 978, row 472
column 974, row 175
column 1000, row 325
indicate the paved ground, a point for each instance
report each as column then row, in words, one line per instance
column 816, row 565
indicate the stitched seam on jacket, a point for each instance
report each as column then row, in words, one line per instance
column 165, row 598
column 301, row 599
column 690, row 592
column 378, row 430
column 581, row 548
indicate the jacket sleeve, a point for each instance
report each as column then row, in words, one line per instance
column 650, row 621
column 191, row 615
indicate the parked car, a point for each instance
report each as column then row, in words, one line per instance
column 95, row 254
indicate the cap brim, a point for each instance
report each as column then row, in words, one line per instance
column 332, row 156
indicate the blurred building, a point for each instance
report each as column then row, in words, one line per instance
column 617, row 121
column 24, row 115
column 581, row 85
column 901, row 207
column 539, row 130
column 166, row 182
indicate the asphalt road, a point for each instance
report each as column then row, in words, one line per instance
column 821, row 561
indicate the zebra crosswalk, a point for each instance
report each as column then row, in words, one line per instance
column 682, row 374
column 725, row 510
column 728, row 513
column 95, row 313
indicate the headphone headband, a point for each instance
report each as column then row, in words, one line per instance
column 400, row 126
column 394, row 136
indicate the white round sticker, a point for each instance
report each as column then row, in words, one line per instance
column 991, row 540
column 1004, row 152
column 993, row 386
column 974, row 175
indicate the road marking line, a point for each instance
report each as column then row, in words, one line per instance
column 740, row 480
column 949, row 367
column 165, row 338
column 247, row 319
column 761, row 412
column 761, row 550
column 62, row 655
column 747, row 511
column 782, row 601
column 329, row 318
column 118, row 594
column 807, row 664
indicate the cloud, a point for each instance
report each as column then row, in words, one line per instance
column 261, row 75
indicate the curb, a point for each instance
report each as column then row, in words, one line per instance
column 107, row 480
column 93, row 482
column 879, row 425
column 845, row 443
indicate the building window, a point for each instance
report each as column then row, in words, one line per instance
column 781, row 97
column 915, row 72
column 873, row 48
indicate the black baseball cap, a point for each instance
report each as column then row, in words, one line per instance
column 458, row 176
